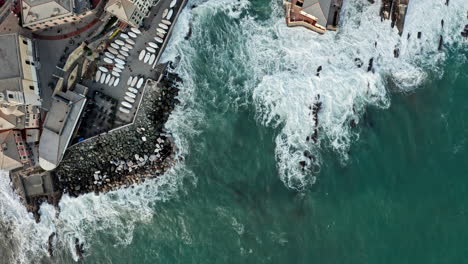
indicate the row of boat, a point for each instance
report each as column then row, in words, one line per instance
column 134, row 83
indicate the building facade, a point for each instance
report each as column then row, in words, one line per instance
column 19, row 100
column 131, row 12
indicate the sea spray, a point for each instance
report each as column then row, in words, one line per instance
column 265, row 63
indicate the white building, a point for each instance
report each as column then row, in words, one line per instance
column 131, row 12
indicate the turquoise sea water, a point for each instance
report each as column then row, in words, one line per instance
column 401, row 197
column 394, row 189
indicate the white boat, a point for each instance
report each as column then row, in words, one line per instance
column 120, row 66
column 134, row 81
column 150, row 49
column 151, row 60
column 160, row 35
column 124, row 110
column 133, row 90
column 130, row 94
column 153, row 45
column 103, row 78
column 135, row 30
column 165, row 12
column 112, row 79
column 115, row 46
column 116, row 82
column 124, row 53
column 126, row 104
column 129, row 99
column 128, row 46
column 124, row 36
column 112, row 50
column 119, row 42
column 103, row 69
column 160, row 30
column 147, row 57
column 173, row 3
column 140, row 83
column 109, row 55
column 107, row 60
column 130, row 41
column 133, row 35
column 158, row 39
column 124, row 48
column 98, row 75
column 167, row 22
column 122, row 57
column 117, row 70
column 163, row 26
column 108, row 78
column 169, row 15
column 116, row 74
column 119, row 61
column 129, row 81
column 142, row 54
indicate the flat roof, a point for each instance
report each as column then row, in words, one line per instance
column 9, row 62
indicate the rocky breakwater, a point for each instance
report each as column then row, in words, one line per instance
column 125, row 156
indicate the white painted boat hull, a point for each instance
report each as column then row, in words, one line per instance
column 130, row 94
column 133, row 35
column 134, row 81
column 150, row 49
column 130, row 41
column 129, row 81
column 147, row 57
column 98, row 76
column 153, row 45
column 167, row 22
column 133, row 90
column 135, row 30
column 103, row 69
column 116, row 82
column 130, row 100
column 126, row 104
column 169, row 15
column 107, row 60
column 142, row 54
column 139, row 83
column 151, row 60
column 119, row 42
column 111, row 82
column 163, row 26
column 158, row 39
column 103, row 78
column 160, row 30
column 124, row 110
column 120, row 66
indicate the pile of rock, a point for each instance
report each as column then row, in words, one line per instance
column 126, row 156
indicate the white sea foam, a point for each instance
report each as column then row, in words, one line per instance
column 279, row 66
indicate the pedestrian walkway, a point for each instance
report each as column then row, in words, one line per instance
column 69, row 34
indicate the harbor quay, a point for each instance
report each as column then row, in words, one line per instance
column 83, row 97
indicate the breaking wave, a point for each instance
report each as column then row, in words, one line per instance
column 259, row 60
column 256, row 60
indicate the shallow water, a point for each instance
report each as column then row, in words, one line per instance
column 391, row 190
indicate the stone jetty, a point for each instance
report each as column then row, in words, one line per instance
column 126, row 156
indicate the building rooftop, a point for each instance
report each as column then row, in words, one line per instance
column 58, row 127
column 317, row 15
column 9, row 64
column 122, row 9
column 34, row 11
column 9, row 156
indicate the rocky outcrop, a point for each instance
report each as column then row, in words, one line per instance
column 396, row 11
